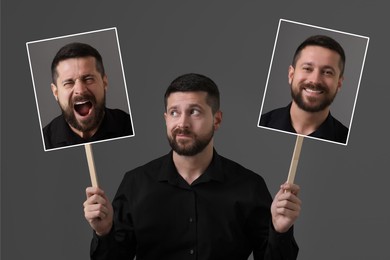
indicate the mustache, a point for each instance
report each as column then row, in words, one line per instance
column 179, row 131
column 82, row 98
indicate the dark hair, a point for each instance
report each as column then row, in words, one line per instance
column 76, row 50
column 322, row 41
column 195, row 82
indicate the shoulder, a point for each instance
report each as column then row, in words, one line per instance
column 245, row 183
column 238, row 173
column 277, row 114
column 117, row 114
column 149, row 169
column 54, row 124
column 119, row 120
column 340, row 131
column 53, row 130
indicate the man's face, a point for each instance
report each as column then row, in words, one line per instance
column 316, row 79
column 80, row 92
column 190, row 122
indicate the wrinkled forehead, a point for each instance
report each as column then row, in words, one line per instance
column 75, row 67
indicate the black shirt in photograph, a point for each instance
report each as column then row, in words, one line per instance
column 331, row 129
column 116, row 123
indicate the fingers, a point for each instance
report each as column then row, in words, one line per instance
column 94, row 190
column 286, row 200
column 95, row 196
column 95, row 199
column 288, row 208
column 293, row 188
column 96, row 211
column 97, row 204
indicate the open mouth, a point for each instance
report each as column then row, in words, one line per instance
column 83, row 108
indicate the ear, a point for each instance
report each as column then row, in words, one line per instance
column 340, row 83
column 165, row 117
column 291, row 71
column 105, row 82
column 54, row 89
column 217, row 119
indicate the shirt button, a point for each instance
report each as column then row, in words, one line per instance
column 191, row 251
column 190, row 220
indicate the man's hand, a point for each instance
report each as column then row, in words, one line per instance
column 98, row 211
column 286, row 207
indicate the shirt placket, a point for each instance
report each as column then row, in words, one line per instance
column 192, row 224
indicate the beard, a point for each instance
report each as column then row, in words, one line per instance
column 312, row 104
column 93, row 121
column 189, row 148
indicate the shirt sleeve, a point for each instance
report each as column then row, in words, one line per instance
column 280, row 245
column 120, row 243
column 267, row 243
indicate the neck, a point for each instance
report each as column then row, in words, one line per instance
column 191, row 167
column 305, row 122
column 82, row 134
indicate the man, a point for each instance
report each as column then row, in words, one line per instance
column 315, row 77
column 193, row 203
column 79, row 85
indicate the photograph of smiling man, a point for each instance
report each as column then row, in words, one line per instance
column 316, row 77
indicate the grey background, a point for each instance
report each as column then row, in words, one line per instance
column 344, row 188
column 41, row 53
column 291, row 35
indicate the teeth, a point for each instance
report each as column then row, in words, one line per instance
column 312, row 90
column 81, row 102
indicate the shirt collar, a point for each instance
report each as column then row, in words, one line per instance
column 65, row 135
column 323, row 131
column 169, row 173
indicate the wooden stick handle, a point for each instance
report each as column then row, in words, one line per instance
column 295, row 159
column 91, row 165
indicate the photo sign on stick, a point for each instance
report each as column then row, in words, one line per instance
column 80, row 91
column 312, row 84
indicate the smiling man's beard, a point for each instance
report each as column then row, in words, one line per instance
column 91, row 123
column 197, row 145
column 327, row 98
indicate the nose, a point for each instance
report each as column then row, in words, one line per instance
column 79, row 87
column 315, row 77
column 184, row 121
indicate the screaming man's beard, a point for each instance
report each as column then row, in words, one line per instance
column 91, row 123
column 197, row 146
column 297, row 96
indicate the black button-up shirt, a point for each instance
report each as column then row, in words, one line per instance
column 331, row 129
column 224, row 214
column 116, row 123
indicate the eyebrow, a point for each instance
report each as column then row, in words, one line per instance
column 190, row 106
column 81, row 77
column 87, row 75
column 67, row 80
column 322, row 67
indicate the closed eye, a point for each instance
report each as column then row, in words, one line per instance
column 68, row 83
column 89, row 79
